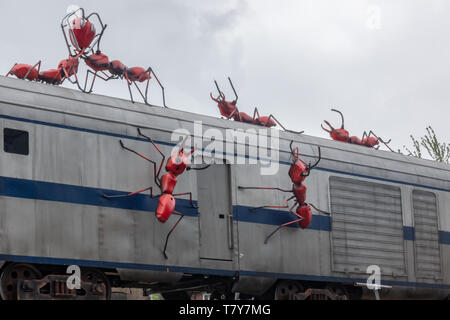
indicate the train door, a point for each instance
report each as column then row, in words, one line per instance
column 215, row 212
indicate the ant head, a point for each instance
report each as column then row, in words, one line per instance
column 179, row 160
column 82, row 33
column 299, row 169
column 337, row 134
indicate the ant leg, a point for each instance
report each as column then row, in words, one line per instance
column 156, row 147
column 318, row 210
column 97, row 42
column 285, row 224
column 316, row 163
column 129, row 86
column 130, row 194
column 190, row 198
column 93, row 80
column 105, row 77
column 158, row 183
column 171, row 230
column 140, row 92
column 274, row 207
column 202, row 168
column 162, row 88
column 38, row 65
column 9, row 72
column 256, row 112
column 273, row 117
column 146, row 90
column 267, row 188
column 264, row 188
column 384, row 142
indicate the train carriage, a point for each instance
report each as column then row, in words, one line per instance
column 60, row 153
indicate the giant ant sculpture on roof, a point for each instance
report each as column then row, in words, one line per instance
column 298, row 172
column 175, row 166
column 83, row 42
column 83, row 38
column 65, row 70
column 229, row 110
column 370, row 139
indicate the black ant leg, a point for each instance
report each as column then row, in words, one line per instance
column 384, row 142
column 273, row 117
column 162, row 88
column 129, row 83
column 274, row 207
column 285, row 224
column 318, row 210
column 96, row 75
column 160, row 152
column 131, row 194
column 190, row 198
column 264, row 188
column 38, row 65
column 140, row 92
column 268, row 188
column 157, row 180
column 171, row 230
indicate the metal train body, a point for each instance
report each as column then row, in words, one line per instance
column 386, row 209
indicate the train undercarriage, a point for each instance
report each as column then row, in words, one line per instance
column 25, row 281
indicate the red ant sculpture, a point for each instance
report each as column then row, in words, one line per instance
column 83, row 39
column 81, row 33
column 370, row 140
column 229, row 110
column 66, row 69
column 175, row 166
column 298, row 172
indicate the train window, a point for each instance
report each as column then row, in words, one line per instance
column 367, row 226
column 15, row 141
column 427, row 253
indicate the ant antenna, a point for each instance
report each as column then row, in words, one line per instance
column 231, row 83
column 342, row 117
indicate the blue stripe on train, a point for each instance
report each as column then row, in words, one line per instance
column 49, row 191
column 39, row 190
column 408, row 233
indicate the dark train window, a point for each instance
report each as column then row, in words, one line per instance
column 15, row 141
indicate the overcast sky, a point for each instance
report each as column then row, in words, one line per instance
column 384, row 64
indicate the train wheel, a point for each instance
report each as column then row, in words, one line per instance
column 102, row 284
column 286, row 290
column 11, row 276
column 339, row 291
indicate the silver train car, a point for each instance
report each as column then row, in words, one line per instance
column 60, row 152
